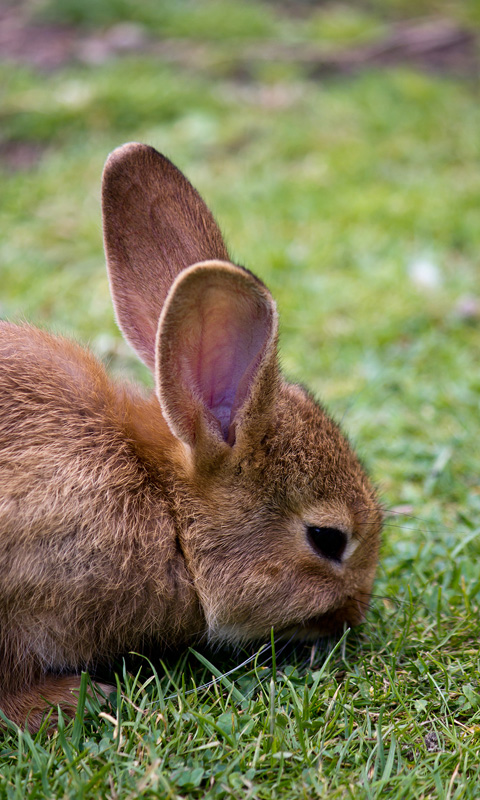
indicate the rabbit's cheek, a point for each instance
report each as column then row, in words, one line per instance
column 350, row 610
column 306, row 599
column 247, row 606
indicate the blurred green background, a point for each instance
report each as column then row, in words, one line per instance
column 338, row 145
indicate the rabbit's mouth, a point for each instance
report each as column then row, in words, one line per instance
column 350, row 614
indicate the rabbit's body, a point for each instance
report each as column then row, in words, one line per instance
column 225, row 503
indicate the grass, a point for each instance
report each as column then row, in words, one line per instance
column 342, row 194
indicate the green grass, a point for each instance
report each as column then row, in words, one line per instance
column 334, row 192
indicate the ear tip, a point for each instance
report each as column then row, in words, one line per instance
column 225, row 274
column 125, row 151
column 128, row 156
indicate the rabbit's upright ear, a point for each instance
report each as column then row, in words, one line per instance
column 217, row 372
column 155, row 224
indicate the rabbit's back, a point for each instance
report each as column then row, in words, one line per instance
column 86, row 538
column 60, row 436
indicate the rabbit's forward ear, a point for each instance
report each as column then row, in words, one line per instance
column 155, row 224
column 217, row 372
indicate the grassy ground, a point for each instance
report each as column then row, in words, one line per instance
column 355, row 197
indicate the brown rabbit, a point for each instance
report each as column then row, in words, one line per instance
column 223, row 504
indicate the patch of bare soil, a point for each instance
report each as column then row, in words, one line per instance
column 21, row 41
column 49, row 47
column 437, row 45
column 18, row 155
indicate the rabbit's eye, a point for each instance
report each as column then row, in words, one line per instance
column 329, row 542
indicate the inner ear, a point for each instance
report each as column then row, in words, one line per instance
column 226, row 336
column 217, row 330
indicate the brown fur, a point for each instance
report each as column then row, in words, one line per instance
column 128, row 519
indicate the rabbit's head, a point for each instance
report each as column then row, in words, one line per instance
column 277, row 520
